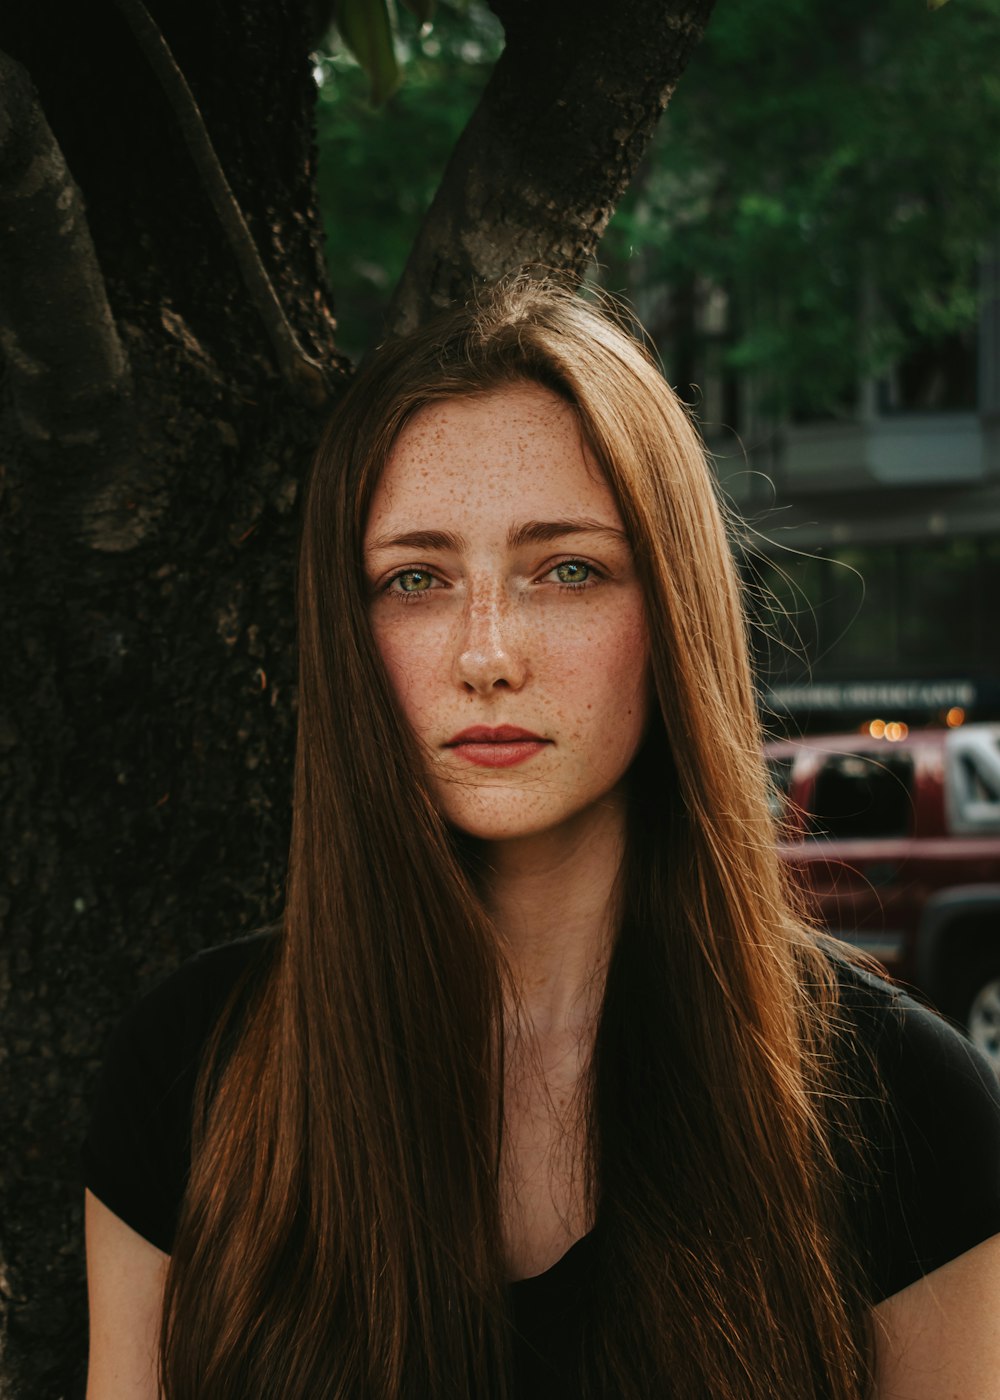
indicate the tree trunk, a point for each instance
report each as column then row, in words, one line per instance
column 152, row 441
column 558, row 134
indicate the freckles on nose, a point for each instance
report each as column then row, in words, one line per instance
column 487, row 611
column 488, row 644
column 483, row 631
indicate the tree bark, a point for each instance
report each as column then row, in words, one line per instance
column 151, row 452
column 68, row 370
column 148, row 678
column 560, row 129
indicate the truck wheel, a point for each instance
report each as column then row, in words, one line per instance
column 982, row 1016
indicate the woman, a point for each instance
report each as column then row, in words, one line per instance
column 541, row 1089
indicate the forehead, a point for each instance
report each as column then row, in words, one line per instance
column 516, row 451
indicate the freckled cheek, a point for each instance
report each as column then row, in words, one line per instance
column 611, row 650
column 611, row 671
column 415, row 661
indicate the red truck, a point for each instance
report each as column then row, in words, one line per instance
column 896, row 842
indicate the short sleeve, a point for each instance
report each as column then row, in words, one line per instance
column 136, row 1154
column 936, row 1144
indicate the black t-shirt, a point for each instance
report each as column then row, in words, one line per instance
column 935, row 1142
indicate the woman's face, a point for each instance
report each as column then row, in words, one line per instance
column 506, row 608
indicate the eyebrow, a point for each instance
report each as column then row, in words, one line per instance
column 530, row 532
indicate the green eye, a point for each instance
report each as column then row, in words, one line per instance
column 573, row 571
column 414, row 581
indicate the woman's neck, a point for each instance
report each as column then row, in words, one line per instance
column 553, row 898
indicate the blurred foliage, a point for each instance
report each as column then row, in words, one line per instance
column 367, row 28
column 835, row 169
column 820, row 188
column 370, row 31
column 379, row 167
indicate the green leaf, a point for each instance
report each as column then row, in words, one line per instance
column 423, row 9
column 936, row 4
column 366, row 28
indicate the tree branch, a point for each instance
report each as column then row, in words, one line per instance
column 69, row 373
column 303, row 374
column 559, row 131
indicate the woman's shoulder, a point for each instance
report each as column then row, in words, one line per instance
column 136, row 1151
column 210, row 974
column 928, row 1106
column 200, row 987
column 179, row 1011
column 172, row 1019
column 899, row 1030
column 927, row 1069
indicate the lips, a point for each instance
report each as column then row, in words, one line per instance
column 498, row 747
column 502, row 734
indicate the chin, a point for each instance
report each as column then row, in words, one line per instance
column 492, row 820
column 484, row 826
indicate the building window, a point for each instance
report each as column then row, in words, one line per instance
column 936, row 376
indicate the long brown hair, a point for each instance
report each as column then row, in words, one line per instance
column 341, row 1232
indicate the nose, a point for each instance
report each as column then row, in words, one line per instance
column 488, row 653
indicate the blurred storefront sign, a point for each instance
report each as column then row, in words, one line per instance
column 914, row 699
column 862, row 695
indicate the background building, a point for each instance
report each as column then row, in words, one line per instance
column 818, row 264
column 873, row 542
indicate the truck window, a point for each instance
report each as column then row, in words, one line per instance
column 859, row 795
column 972, row 780
column 978, row 786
